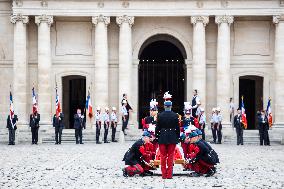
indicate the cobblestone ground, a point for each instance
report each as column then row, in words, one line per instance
column 99, row 166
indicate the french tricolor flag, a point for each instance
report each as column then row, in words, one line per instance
column 269, row 112
column 34, row 99
column 89, row 106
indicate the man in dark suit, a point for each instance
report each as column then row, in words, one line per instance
column 239, row 127
column 263, row 127
column 128, row 107
column 12, row 127
column 167, row 132
column 58, row 126
column 34, row 124
column 79, row 124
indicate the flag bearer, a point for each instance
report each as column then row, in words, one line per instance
column 34, row 124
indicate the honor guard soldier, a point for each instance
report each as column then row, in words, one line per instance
column 128, row 107
column 152, row 118
column 168, row 133
column 98, row 125
column 113, row 120
column 12, row 127
column 124, row 115
column 218, row 124
column 79, row 125
column 239, row 127
column 263, row 127
column 106, row 119
column 133, row 158
column 58, row 124
column 34, row 124
column 212, row 122
column 195, row 103
column 202, row 122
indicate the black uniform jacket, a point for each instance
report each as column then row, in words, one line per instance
column 237, row 122
column 167, row 128
column 134, row 156
column 34, row 122
column 14, row 120
column 58, row 123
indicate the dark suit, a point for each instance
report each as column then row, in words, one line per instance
column 167, row 132
column 263, row 127
column 34, row 124
column 58, row 126
column 12, row 127
column 128, row 107
column 79, row 124
column 239, row 128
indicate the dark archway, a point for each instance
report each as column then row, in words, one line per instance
column 161, row 69
column 74, row 96
column 251, row 88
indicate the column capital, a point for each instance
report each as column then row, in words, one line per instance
column 125, row 19
column 229, row 19
column 44, row 18
column 19, row 18
column 277, row 18
column 203, row 19
column 101, row 18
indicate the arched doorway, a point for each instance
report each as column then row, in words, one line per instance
column 74, row 97
column 161, row 69
column 251, row 88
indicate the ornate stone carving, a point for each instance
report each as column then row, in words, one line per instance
column 224, row 19
column 44, row 3
column 125, row 19
column 199, row 4
column 203, row 19
column 278, row 18
column 18, row 3
column 44, row 18
column 125, row 4
column 101, row 18
column 101, row 4
column 224, row 4
column 19, row 18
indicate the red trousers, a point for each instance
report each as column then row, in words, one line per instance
column 167, row 159
column 134, row 169
column 200, row 167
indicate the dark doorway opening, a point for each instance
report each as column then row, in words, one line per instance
column 161, row 69
column 251, row 88
column 74, row 97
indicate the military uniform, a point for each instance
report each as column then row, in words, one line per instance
column 113, row 119
column 202, row 124
column 58, row 125
column 218, row 126
column 79, row 125
column 263, row 127
column 98, row 125
column 195, row 103
column 213, row 128
column 12, row 127
column 239, row 128
column 125, row 117
column 106, row 119
column 34, row 124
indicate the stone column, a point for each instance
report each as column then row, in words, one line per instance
column 199, row 56
column 125, row 56
column 278, row 100
column 20, row 67
column 101, row 61
column 223, row 65
column 44, row 68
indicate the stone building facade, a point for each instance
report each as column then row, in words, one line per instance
column 228, row 49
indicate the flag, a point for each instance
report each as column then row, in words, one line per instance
column 89, row 106
column 244, row 116
column 57, row 104
column 35, row 107
column 11, row 107
column 269, row 112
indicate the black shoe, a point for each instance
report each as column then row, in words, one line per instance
column 242, row 144
column 56, row 143
column 106, row 141
column 213, row 142
column 148, row 173
column 35, row 143
column 10, row 144
column 98, row 142
column 124, row 134
column 218, row 143
column 210, row 173
column 194, row 174
column 81, row 143
column 77, row 142
column 124, row 172
column 114, row 141
column 13, row 143
column 59, row 143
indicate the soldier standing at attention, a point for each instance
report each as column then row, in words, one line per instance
column 98, row 125
column 58, row 125
column 218, row 123
column 34, row 124
column 195, row 103
column 124, row 115
column 213, row 128
column 202, row 122
column 263, row 127
column 106, row 124
column 167, row 132
column 12, row 127
column 239, row 127
column 113, row 119
column 79, row 124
